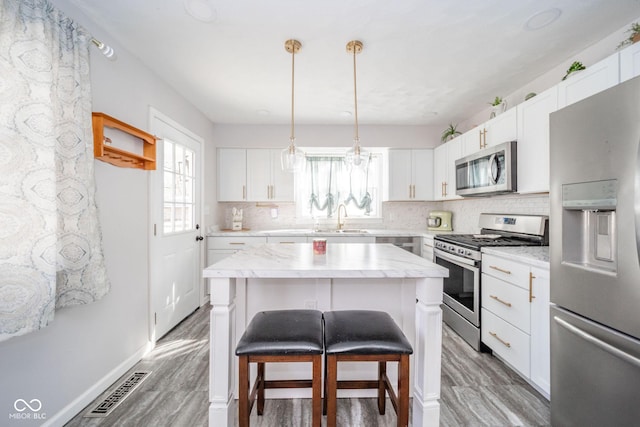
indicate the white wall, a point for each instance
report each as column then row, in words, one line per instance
column 61, row 364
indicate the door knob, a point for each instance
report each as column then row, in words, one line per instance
column 198, row 238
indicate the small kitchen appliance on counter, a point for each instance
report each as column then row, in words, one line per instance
column 461, row 254
column 439, row 221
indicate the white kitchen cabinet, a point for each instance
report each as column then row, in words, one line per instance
column 444, row 169
column 502, row 128
column 515, row 316
column 287, row 240
column 595, row 78
column 540, row 338
column 232, row 174
column 533, row 141
column 630, row 62
column 266, row 181
column 427, row 247
column 220, row 247
column 410, row 174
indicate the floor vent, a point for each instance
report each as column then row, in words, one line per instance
column 115, row 398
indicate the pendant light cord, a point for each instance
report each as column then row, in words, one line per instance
column 293, row 60
column 355, row 97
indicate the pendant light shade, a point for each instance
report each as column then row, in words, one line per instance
column 292, row 158
column 356, row 155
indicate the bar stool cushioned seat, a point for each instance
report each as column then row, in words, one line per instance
column 363, row 335
column 280, row 336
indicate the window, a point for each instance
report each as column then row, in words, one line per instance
column 326, row 182
column 178, row 184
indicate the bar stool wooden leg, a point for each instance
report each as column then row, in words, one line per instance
column 332, row 386
column 261, row 378
column 243, row 391
column 317, row 391
column 382, row 373
column 403, row 391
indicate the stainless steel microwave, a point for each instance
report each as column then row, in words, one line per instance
column 489, row 171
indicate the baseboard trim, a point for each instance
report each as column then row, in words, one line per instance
column 78, row 404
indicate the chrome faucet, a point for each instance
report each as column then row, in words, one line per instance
column 341, row 223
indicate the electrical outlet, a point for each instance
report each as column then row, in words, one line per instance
column 311, row 304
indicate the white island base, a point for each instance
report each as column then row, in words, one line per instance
column 349, row 276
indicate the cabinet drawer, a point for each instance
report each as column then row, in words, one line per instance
column 507, row 341
column 235, row 243
column 287, row 239
column 507, row 301
column 510, row 271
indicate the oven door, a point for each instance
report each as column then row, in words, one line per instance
column 462, row 287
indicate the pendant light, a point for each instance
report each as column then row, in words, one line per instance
column 292, row 158
column 355, row 156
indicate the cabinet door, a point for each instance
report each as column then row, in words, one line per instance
column 281, row 181
column 454, row 152
column 439, row 170
column 472, row 141
column 630, row 62
column 400, row 179
column 540, row 338
column 258, row 174
column 533, row 141
column 422, row 168
column 502, row 128
column 232, row 174
column 585, row 83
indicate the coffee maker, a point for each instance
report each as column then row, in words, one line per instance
column 439, row 221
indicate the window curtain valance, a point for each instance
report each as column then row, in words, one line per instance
column 51, row 251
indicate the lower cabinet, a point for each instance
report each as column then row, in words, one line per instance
column 220, row 247
column 515, row 316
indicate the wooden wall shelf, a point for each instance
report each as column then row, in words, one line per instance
column 117, row 156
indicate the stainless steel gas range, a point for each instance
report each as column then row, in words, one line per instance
column 461, row 254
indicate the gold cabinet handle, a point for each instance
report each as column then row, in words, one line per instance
column 508, row 304
column 236, row 243
column 501, row 270
column 480, row 138
column 505, row 343
column 531, row 296
column 445, row 189
column 244, row 192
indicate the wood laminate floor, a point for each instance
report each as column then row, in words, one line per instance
column 477, row 390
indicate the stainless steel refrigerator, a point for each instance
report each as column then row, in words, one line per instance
column 595, row 260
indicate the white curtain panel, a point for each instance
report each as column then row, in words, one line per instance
column 51, row 250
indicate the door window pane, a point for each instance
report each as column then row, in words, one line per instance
column 178, row 184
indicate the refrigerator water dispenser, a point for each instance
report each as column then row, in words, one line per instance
column 589, row 225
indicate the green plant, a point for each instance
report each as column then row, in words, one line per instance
column 576, row 66
column 450, row 132
column 634, row 31
column 496, row 101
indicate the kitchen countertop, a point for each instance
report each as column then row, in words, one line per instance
column 342, row 260
column 324, row 233
column 537, row 256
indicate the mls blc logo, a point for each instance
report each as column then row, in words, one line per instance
column 27, row 410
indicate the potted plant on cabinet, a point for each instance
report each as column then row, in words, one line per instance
column 576, row 66
column 450, row 133
column 634, row 35
column 498, row 106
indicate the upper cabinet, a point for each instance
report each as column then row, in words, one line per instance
column 594, row 79
column 232, row 174
column 444, row 169
column 252, row 175
column 410, row 174
column 533, row 141
column 266, row 181
column 502, row 128
column 630, row 62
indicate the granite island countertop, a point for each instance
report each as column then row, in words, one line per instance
column 342, row 260
column 537, row 256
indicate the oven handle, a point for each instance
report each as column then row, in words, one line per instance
column 462, row 262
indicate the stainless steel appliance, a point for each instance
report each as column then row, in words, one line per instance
column 408, row 243
column 439, row 221
column 461, row 254
column 595, row 269
column 489, row 171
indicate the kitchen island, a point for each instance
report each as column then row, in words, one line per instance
column 349, row 276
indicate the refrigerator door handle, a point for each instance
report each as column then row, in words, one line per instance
column 597, row 342
column 636, row 202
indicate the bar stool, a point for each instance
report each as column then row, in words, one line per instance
column 275, row 337
column 366, row 336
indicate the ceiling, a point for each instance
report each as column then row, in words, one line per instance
column 425, row 62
